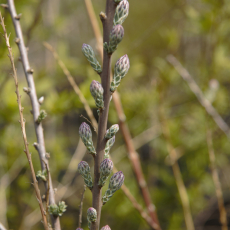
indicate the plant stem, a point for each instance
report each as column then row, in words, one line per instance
column 217, row 184
column 103, row 117
column 22, row 123
column 35, row 105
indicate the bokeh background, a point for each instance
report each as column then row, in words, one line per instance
column 197, row 33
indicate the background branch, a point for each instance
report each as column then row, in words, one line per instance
column 216, row 180
column 22, row 123
column 198, row 93
column 35, row 104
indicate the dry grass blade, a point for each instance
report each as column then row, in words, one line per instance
column 73, row 84
column 22, row 123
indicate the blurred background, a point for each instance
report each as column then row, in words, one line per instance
column 153, row 95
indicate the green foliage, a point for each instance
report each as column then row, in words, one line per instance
column 196, row 32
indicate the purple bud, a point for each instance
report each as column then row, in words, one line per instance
column 85, row 131
column 106, row 167
column 87, row 50
column 116, row 181
column 86, row 136
column 121, row 13
column 111, row 131
column 84, row 170
column 92, row 214
column 116, row 34
column 97, row 91
column 122, row 66
column 106, row 228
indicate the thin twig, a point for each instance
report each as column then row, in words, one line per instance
column 133, row 155
column 137, row 206
column 81, row 207
column 177, row 173
column 216, row 180
column 198, row 93
column 73, row 84
column 22, row 123
column 34, row 101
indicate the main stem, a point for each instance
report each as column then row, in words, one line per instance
column 103, row 117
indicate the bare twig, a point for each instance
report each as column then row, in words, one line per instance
column 133, row 155
column 35, row 104
column 137, row 206
column 73, row 84
column 177, row 174
column 22, row 123
column 81, row 207
column 201, row 98
column 216, row 180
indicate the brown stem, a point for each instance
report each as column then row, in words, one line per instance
column 34, row 101
column 22, row 123
column 103, row 118
column 217, row 184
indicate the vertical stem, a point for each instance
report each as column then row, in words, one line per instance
column 103, row 118
column 216, row 180
column 35, row 105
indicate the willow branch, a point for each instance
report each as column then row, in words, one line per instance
column 73, row 84
column 177, row 174
column 34, row 101
column 133, row 155
column 216, row 180
column 198, row 93
column 75, row 159
column 22, row 123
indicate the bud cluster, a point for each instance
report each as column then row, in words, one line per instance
column 57, row 210
column 86, row 136
column 111, row 131
column 97, row 91
column 84, row 170
column 108, row 146
column 87, row 50
column 121, row 13
column 106, row 168
column 115, row 37
column 115, row 184
column 41, row 175
column 91, row 216
column 121, row 69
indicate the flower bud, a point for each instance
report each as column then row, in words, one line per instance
column 79, row 229
column 115, row 183
column 111, row 131
column 121, row 69
column 86, row 136
column 97, row 91
column 106, row 168
column 57, row 210
column 116, row 36
column 87, row 50
column 91, row 216
column 106, row 228
column 84, row 170
column 121, row 13
column 108, row 146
